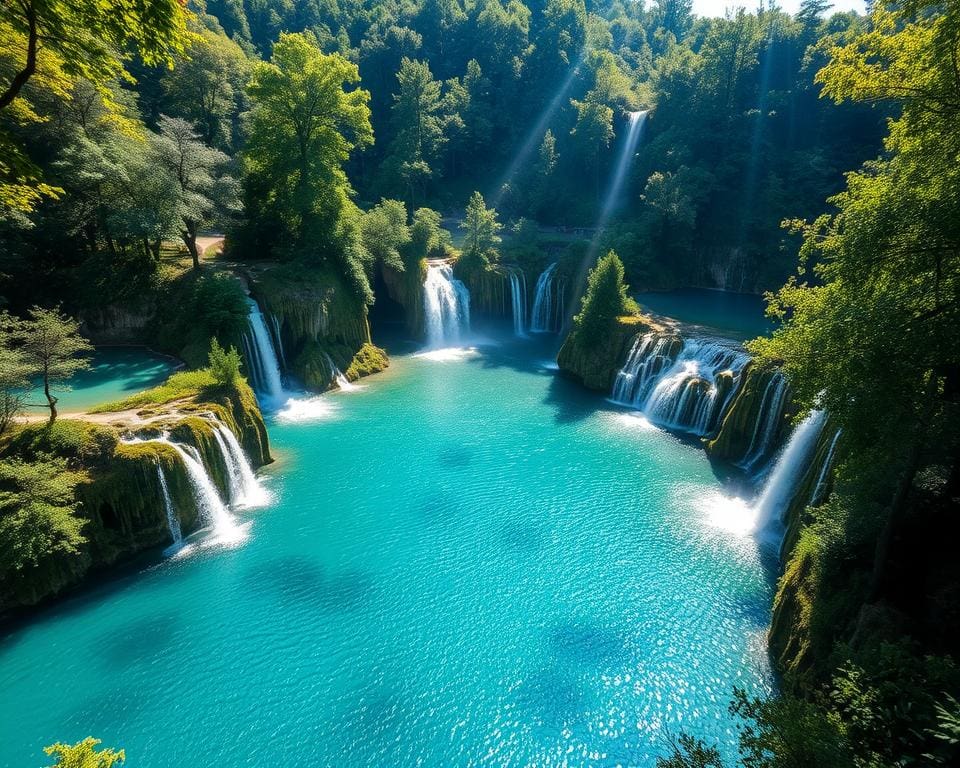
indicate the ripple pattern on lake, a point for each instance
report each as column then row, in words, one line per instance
column 457, row 572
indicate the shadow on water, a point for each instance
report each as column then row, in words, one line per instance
column 579, row 643
column 551, row 697
column 138, row 640
column 525, row 539
column 298, row 580
column 454, row 456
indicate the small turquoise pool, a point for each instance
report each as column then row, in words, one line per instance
column 114, row 372
column 737, row 315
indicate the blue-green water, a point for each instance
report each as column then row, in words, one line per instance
column 468, row 563
column 737, row 315
column 114, row 373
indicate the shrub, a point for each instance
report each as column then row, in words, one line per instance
column 224, row 364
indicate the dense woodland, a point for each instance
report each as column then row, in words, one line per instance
column 337, row 137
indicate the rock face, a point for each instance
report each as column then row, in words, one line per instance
column 320, row 321
column 120, row 497
column 596, row 365
column 406, row 289
column 738, row 431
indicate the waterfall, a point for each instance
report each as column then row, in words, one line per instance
column 343, row 383
column 689, row 391
column 649, row 356
column 768, row 421
column 818, row 490
column 245, row 489
column 635, row 124
column 693, row 394
column 543, row 315
column 789, row 469
column 518, row 301
column 261, row 357
column 212, row 510
column 446, row 306
column 173, row 523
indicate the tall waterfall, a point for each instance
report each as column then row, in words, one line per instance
column 686, row 388
column 261, row 356
column 635, row 124
column 789, row 469
column 446, row 306
column 547, row 312
column 173, row 522
column 518, row 301
column 768, row 421
column 245, row 489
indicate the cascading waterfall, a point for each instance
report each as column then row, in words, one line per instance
column 818, row 490
column 546, row 313
column 649, row 356
column 768, row 421
column 518, row 301
column 245, row 489
column 446, row 304
column 689, row 391
column 213, row 512
column 695, row 392
column 173, row 523
column 261, row 356
column 788, row 470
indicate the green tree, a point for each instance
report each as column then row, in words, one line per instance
column 688, row 752
column 206, row 86
column 14, row 373
column 205, row 191
column 38, row 517
column 53, row 348
column 302, row 128
column 418, row 125
column 426, row 237
column 482, row 228
column 57, row 43
column 84, row 754
column 224, row 364
column 385, row 233
column 605, row 299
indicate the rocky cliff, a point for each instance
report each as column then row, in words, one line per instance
column 596, row 365
column 319, row 321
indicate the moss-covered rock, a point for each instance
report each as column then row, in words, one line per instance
column 320, row 321
column 596, row 365
column 120, row 497
column 736, row 434
column 369, row 359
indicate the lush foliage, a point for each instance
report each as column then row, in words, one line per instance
column 37, row 513
column 84, row 754
column 224, row 364
column 604, row 301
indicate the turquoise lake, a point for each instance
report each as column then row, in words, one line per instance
column 468, row 562
column 114, row 373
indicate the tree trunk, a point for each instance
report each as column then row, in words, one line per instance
column 51, row 400
column 190, row 238
column 21, row 78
